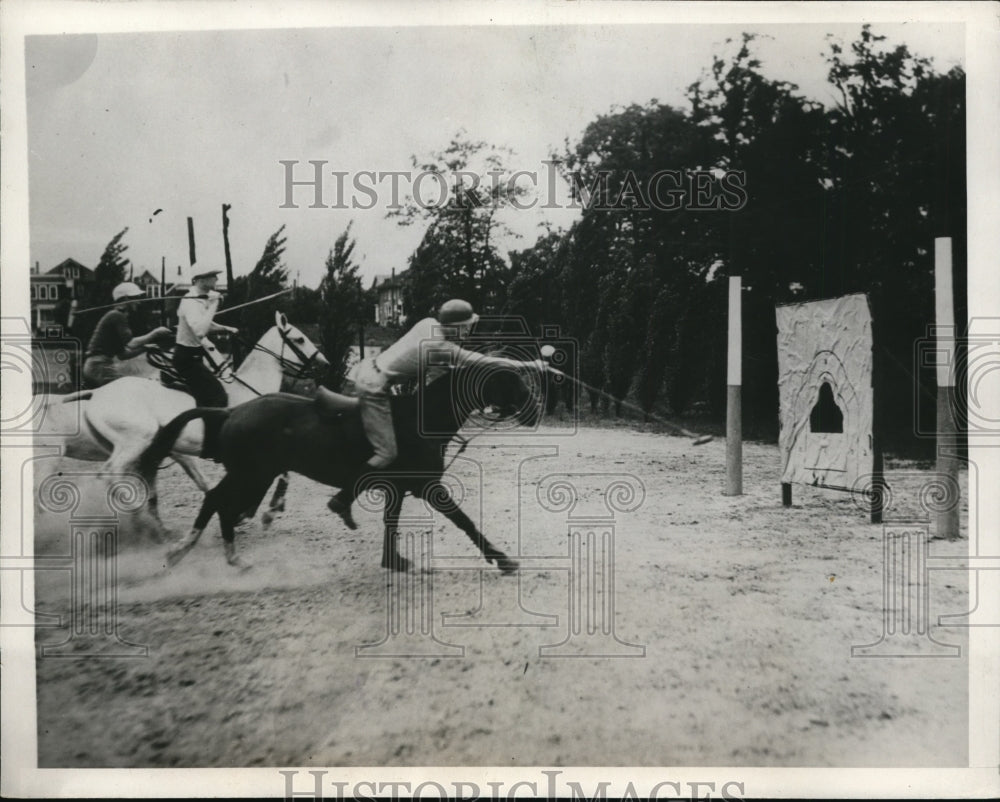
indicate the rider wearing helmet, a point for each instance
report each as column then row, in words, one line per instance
column 112, row 339
column 195, row 321
column 399, row 364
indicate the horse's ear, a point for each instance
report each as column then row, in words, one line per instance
column 280, row 320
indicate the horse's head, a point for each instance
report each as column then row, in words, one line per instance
column 295, row 352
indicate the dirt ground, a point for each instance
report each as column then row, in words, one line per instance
column 733, row 622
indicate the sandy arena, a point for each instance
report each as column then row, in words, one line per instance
column 737, row 617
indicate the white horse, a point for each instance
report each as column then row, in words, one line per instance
column 62, row 415
column 116, row 423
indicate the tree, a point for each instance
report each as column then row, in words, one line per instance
column 109, row 273
column 343, row 308
column 897, row 175
column 269, row 275
column 838, row 200
column 305, row 305
column 457, row 256
column 533, row 292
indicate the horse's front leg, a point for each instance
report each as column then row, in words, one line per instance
column 209, row 506
column 440, row 498
column 391, row 558
column 239, row 496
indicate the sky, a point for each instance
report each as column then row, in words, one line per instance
column 123, row 124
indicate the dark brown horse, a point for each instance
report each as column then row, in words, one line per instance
column 281, row 432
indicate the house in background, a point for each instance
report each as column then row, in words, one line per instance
column 149, row 283
column 67, row 281
column 389, row 309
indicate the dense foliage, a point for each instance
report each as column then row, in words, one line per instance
column 832, row 201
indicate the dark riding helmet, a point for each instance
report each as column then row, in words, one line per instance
column 457, row 312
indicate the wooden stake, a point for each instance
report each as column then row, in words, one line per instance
column 944, row 308
column 734, row 390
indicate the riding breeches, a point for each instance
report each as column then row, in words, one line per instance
column 376, row 416
column 204, row 386
column 99, row 370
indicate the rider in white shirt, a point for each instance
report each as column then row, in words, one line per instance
column 194, row 321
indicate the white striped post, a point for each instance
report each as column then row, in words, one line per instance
column 947, row 441
column 734, row 382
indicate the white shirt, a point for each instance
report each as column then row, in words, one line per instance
column 194, row 316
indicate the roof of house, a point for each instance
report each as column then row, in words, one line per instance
column 388, row 280
column 60, row 269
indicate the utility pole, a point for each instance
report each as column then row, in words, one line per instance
column 163, row 290
column 192, row 258
column 361, row 321
column 225, row 242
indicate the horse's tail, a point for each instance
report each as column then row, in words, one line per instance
column 165, row 439
column 82, row 395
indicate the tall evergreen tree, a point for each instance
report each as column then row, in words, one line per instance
column 343, row 308
column 269, row 275
column 111, row 271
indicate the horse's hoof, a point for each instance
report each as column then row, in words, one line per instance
column 267, row 519
column 507, row 565
column 243, row 567
column 174, row 556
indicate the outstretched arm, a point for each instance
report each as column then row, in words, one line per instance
column 136, row 345
column 476, row 358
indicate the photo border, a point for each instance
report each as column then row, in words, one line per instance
column 18, row 740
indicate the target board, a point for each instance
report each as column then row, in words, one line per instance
column 825, row 393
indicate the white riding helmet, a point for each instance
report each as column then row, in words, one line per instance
column 126, row 291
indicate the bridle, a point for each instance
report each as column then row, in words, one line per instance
column 294, row 370
column 289, row 369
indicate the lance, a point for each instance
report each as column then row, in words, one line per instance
column 116, row 303
column 153, row 300
column 254, row 301
column 699, row 439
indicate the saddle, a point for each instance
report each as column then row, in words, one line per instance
column 332, row 405
column 163, row 360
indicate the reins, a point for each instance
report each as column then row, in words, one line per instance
column 289, row 368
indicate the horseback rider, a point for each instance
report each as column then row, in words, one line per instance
column 195, row 321
column 399, row 364
column 112, row 339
